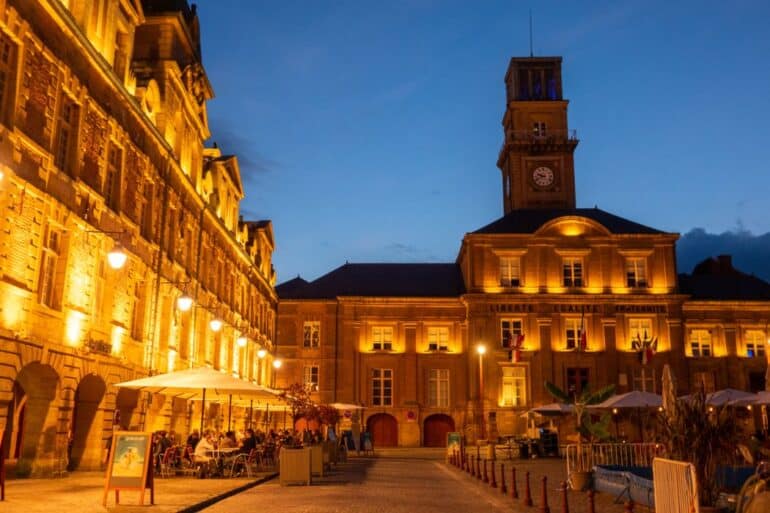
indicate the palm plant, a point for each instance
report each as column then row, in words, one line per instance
column 704, row 436
column 588, row 429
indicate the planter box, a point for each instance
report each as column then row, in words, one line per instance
column 317, row 460
column 295, row 466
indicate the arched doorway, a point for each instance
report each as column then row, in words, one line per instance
column 87, row 424
column 384, row 430
column 435, row 429
column 29, row 439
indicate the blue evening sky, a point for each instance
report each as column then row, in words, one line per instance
column 369, row 131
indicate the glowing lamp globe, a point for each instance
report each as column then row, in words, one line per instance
column 481, row 349
column 117, row 257
column 261, row 353
column 241, row 341
column 215, row 325
column 277, row 364
column 184, row 302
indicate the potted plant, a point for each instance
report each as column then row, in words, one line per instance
column 703, row 435
column 587, row 429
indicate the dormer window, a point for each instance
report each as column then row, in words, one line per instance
column 572, row 272
column 382, row 338
column 636, row 272
column 438, row 338
column 510, row 271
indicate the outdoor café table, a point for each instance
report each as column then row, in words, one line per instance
column 219, row 456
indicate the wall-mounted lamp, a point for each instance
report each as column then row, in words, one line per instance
column 184, row 302
column 117, row 256
column 277, row 363
column 242, row 341
column 261, row 352
column 215, row 324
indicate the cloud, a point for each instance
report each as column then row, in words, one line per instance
column 398, row 251
column 252, row 162
column 751, row 253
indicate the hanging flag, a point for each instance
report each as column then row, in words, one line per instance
column 582, row 342
column 517, row 347
column 645, row 349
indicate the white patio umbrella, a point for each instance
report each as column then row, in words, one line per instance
column 730, row 397
column 636, row 400
column 553, row 409
column 669, row 391
column 346, row 406
column 198, row 382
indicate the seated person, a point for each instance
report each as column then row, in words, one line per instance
column 203, row 454
column 228, row 441
column 249, row 442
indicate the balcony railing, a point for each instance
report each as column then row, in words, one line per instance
column 545, row 138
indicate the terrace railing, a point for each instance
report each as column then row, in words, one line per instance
column 585, row 456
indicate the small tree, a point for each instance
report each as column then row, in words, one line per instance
column 328, row 415
column 586, row 428
column 297, row 397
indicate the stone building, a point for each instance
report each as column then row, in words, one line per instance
column 102, row 128
column 552, row 293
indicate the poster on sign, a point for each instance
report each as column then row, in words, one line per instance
column 130, row 465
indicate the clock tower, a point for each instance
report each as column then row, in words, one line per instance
column 536, row 159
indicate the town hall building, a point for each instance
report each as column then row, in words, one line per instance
column 548, row 292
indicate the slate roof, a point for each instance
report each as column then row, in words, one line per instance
column 530, row 220
column 717, row 279
column 379, row 280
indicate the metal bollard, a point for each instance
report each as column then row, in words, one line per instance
column 527, row 490
column 503, row 488
column 544, row 496
column 514, row 489
column 591, row 503
column 629, row 507
column 493, row 479
column 486, row 476
column 564, row 501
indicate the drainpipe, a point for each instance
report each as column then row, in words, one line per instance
column 336, row 347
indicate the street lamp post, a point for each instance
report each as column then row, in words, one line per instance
column 481, row 349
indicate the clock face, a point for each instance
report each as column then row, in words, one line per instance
column 542, row 176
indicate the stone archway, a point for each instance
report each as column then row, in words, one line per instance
column 87, row 428
column 384, row 430
column 435, row 429
column 30, row 431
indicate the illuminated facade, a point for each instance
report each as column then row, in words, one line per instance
column 553, row 293
column 102, row 129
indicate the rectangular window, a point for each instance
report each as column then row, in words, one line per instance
column 145, row 223
column 310, row 378
column 572, row 333
column 700, row 342
column 573, row 272
column 636, row 272
column 755, row 344
column 65, row 135
column 49, row 262
column 538, row 129
column 382, row 338
column 514, row 386
column 111, row 190
column 644, row 380
column 438, row 388
column 577, row 380
column 510, row 329
column 640, row 329
column 438, row 338
column 311, row 334
column 7, row 71
column 510, row 272
column 382, row 387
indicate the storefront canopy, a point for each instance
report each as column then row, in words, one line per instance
column 635, row 399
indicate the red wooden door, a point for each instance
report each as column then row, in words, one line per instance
column 384, row 430
column 435, row 430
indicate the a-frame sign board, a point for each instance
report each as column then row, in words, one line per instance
column 130, row 465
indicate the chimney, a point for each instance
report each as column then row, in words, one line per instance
column 725, row 263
